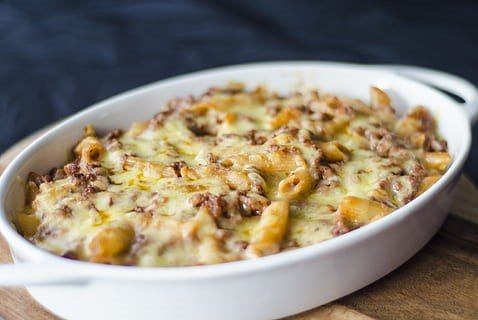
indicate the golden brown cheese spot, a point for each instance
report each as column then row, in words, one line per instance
column 233, row 174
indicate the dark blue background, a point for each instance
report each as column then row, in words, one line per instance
column 57, row 57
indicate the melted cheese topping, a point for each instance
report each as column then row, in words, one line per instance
column 232, row 175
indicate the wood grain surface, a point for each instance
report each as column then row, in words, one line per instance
column 440, row 282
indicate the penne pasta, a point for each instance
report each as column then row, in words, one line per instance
column 426, row 183
column 379, row 99
column 210, row 248
column 437, row 160
column 27, row 223
column 297, row 184
column 272, row 225
column 109, row 242
column 334, row 151
column 148, row 168
column 89, row 149
column 284, row 117
column 355, row 212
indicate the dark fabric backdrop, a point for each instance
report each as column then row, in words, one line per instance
column 57, row 57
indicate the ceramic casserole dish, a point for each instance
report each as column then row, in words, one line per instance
column 265, row 288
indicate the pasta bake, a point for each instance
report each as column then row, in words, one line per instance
column 233, row 174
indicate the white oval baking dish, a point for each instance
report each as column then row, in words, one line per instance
column 265, row 288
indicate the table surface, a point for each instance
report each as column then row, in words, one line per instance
column 439, row 282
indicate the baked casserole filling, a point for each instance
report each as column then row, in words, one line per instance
column 233, row 174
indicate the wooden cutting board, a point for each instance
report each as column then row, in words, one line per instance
column 440, row 282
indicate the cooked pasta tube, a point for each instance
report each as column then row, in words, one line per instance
column 272, row 226
column 355, row 212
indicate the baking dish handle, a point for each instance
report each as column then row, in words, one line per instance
column 28, row 274
column 444, row 81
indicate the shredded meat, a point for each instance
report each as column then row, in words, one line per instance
column 89, row 189
column 416, row 169
column 38, row 179
column 199, row 130
column 177, row 166
column 160, row 117
column 72, row 168
column 215, row 204
column 434, row 144
column 328, row 177
column 381, row 141
column 64, row 211
column 255, row 138
column 252, row 204
column 316, row 165
column 404, row 188
column 284, row 149
column 231, row 204
column 288, row 130
column 172, row 107
column 90, row 178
